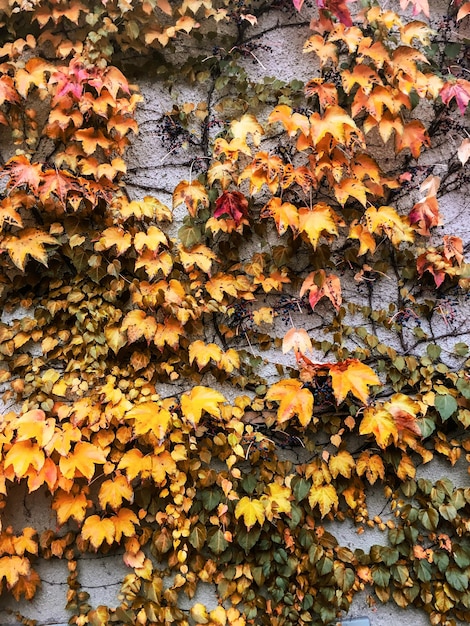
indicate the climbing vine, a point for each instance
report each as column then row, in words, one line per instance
column 208, row 396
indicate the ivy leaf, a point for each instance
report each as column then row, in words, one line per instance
column 30, row 241
column 315, row 222
column 82, row 461
column 460, row 90
column 446, row 405
column 98, row 530
column 352, row 376
column 252, row 511
column 12, row 567
column 69, row 505
column 113, row 492
column 325, row 497
column 319, row 284
column 198, row 400
column 297, row 339
column 192, row 194
column 150, row 417
column 293, row 399
column 232, row 204
column 380, row 423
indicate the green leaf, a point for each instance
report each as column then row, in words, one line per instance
column 463, row 386
column 461, row 349
column 217, row 542
column 457, row 579
column 247, row 539
column 189, row 235
column 429, row 518
column 198, row 536
column 423, row 570
column 446, row 405
column 211, row 498
column 381, row 576
column 434, row 351
column 461, row 557
column 300, row 488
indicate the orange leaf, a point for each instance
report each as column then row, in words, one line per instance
column 297, row 339
column 22, row 455
column 30, row 241
column 23, row 172
column 315, row 222
column 150, row 417
column 124, row 523
column 380, row 423
column 12, row 568
column 192, row 195
column 352, row 376
column 81, row 462
column 114, row 236
column 138, row 324
column 319, row 284
column 198, row 400
column 285, row 214
column 98, row 530
column 293, row 399
column 113, row 491
column 69, row 505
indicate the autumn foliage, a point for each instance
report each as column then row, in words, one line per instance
column 134, row 390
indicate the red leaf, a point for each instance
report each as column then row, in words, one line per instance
column 338, row 8
column 232, row 204
column 460, row 90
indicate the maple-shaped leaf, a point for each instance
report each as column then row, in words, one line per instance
column 12, row 568
column 341, row 464
column 34, row 73
column 9, row 213
column 413, row 136
column 386, row 220
column 277, row 500
column 266, row 170
column 404, row 411
column 150, row 417
column 292, row 121
column 124, row 522
column 82, row 460
column 418, row 6
column 284, row 214
column 380, row 423
column 168, row 334
column 113, row 491
column 202, row 353
column 70, row 505
column 453, row 248
column 247, row 125
column 426, row 215
column 98, row 530
column 191, row 194
column 352, row 376
column 335, row 122
column 319, row 284
column 293, row 399
column 199, row 255
column 458, row 89
column 135, row 463
column 22, row 455
column 23, row 172
column 252, row 511
column 317, row 221
column 323, row 496
column 198, row 400
column 365, row 237
column 162, row 465
column 371, row 465
column 114, row 236
column 327, row 92
column 232, row 204
column 8, row 92
column 91, row 138
column 152, row 239
column 297, row 339
column 221, row 171
column 138, row 324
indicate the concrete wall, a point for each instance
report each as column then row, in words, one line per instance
column 155, row 169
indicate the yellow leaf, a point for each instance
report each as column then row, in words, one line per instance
column 150, row 417
column 298, row 339
column 354, row 376
column 293, row 400
column 200, row 255
column 247, row 125
column 152, row 239
column 387, row 221
column 162, row 465
column 82, row 460
column 23, row 454
column 124, row 524
column 200, row 399
column 380, row 423
column 29, row 241
column 325, row 497
column 113, row 491
column 252, row 511
column 68, row 505
column 98, row 530
column 199, row 613
column 342, row 463
column 202, row 353
column 370, row 465
column 138, row 324
column 114, row 236
column 12, row 567
column 191, row 194
column 135, row 463
column 320, row 219
column 276, row 501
